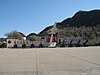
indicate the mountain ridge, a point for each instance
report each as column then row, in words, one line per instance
column 80, row 18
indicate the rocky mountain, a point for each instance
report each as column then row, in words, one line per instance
column 32, row 34
column 83, row 18
column 80, row 19
column 44, row 32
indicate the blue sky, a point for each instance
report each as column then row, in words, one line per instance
column 34, row 15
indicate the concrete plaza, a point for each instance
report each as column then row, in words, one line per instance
column 50, row 61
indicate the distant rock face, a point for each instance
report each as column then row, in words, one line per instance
column 83, row 18
column 44, row 32
column 32, row 34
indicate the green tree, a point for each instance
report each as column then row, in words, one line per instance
column 13, row 35
column 32, row 38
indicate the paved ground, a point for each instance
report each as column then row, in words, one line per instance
column 50, row 61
